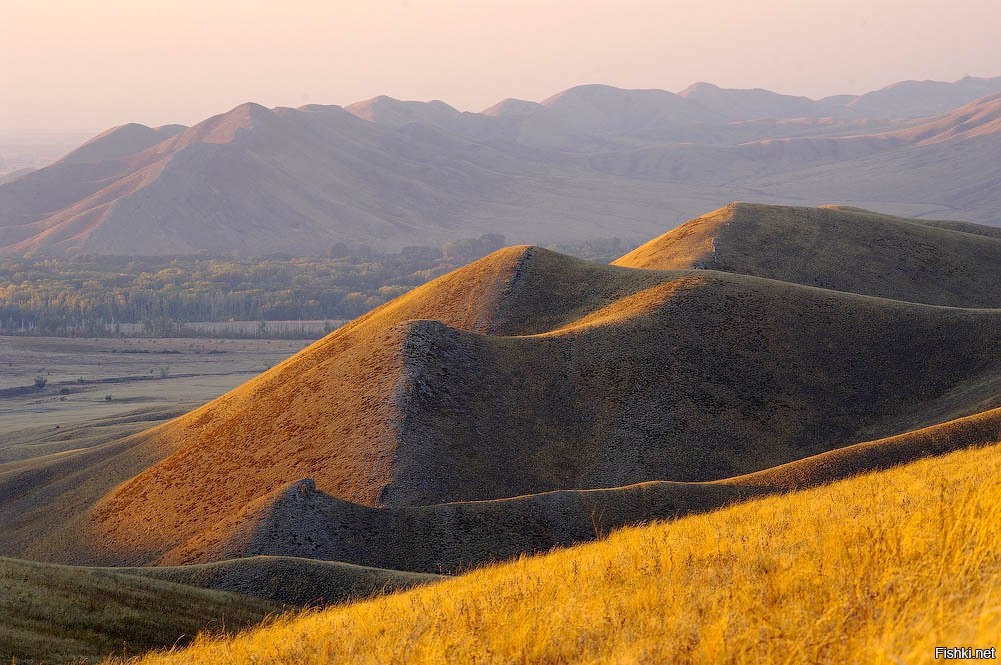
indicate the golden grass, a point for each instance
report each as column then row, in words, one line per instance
column 876, row 569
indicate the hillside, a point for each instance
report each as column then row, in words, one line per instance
column 120, row 142
column 919, row 98
column 286, row 580
column 524, row 372
column 758, row 355
column 279, row 177
column 51, row 613
column 851, row 250
column 301, row 521
column 54, row 614
column 893, row 563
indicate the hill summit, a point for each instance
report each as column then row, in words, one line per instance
column 845, row 249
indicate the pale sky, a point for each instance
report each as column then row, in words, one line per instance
column 87, row 65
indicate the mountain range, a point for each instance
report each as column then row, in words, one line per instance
column 591, row 162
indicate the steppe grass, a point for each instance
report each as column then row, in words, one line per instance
column 880, row 568
column 58, row 614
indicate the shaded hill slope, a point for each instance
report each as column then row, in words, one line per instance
column 893, row 563
column 942, row 263
column 52, row 614
column 300, row 521
column 287, row 580
column 121, row 141
column 528, row 371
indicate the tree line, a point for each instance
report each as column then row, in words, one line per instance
column 93, row 295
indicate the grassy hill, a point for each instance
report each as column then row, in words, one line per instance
column 300, row 521
column 525, row 372
column 845, row 249
column 56, row 614
column 530, row 401
column 287, row 580
column 529, row 372
column 880, row 569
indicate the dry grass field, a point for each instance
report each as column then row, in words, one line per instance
column 57, row 614
column 880, row 568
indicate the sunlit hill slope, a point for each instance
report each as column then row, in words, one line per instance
column 877, row 569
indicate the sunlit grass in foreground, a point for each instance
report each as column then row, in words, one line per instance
column 877, row 569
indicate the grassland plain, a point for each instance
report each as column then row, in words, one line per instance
column 880, row 568
column 81, row 374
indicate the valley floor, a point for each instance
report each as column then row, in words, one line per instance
column 91, row 382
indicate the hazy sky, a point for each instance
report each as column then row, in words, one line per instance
column 82, row 65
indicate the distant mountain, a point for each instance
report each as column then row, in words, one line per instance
column 15, row 174
column 256, row 180
column 904, row 100
column 591, row 162
column 120, row 142
column 951, row 161
column 914, row 99
column 388, row 111
column 947, row 161
column 749, row 104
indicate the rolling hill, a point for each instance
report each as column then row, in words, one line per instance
column 64, row 614
column 300, row 521
column 530, row 374
column 758, row 355
column 51, row 613
column 846, row 250
column 590, row 162
column 878, row 568
column 466, row 393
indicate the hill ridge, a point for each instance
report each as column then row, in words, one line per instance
column 849, row 250
column 461, row 390
column 451, row 536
